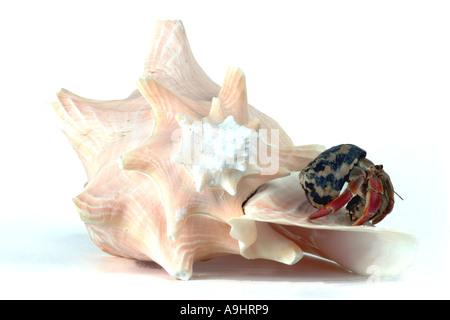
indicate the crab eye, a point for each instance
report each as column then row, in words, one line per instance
column 379, row 167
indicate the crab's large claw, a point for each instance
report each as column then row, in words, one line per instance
column 374, row 200
column 356, row 179
column 389, row 197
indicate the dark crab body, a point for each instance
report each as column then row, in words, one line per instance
column 369, row 194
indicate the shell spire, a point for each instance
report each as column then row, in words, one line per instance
column 234, row 95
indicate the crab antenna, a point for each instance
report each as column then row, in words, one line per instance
column 398, row 195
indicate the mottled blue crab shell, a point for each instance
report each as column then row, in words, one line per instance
column 323, row 178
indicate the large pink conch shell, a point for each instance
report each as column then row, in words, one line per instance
column 147, row 199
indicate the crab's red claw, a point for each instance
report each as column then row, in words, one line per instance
column 385, row 213
column 372, row 206
column 375, row 184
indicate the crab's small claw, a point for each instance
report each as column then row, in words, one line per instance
column 356, row 180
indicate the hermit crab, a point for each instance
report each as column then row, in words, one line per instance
column 369, row 194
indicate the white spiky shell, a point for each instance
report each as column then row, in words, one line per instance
column 145, row 201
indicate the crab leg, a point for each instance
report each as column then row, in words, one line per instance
column 355, row 181
column 385, row 213
column 389, row 193
column 374, row 192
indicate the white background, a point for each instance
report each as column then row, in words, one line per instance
column 372, row 73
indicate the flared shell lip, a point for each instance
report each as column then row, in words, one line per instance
column 317, row 224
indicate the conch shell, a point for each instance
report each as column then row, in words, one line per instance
column 180, row 172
